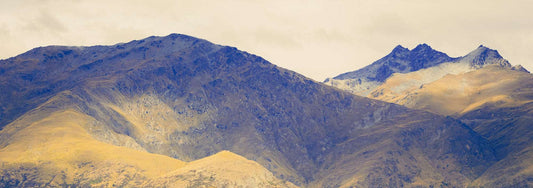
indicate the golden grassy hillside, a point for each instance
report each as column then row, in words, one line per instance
column 58, row 151
column 59, row 142
column 460, row 93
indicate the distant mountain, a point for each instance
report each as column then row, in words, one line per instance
column 150, row 111
column 486, row 93
column 401, row 60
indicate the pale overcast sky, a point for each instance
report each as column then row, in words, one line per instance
column 317, row 38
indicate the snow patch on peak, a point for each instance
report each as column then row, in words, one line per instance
column 484, row 56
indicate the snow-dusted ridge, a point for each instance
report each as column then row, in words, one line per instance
column 430, row 64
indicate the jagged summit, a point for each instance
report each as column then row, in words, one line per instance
column 418, row 49
column 400, row 60
column 403, row 60
column 422, row 47
column 399, row 49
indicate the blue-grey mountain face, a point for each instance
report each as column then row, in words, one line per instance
column 225, row 99
column 43, row 72
column 400, row 60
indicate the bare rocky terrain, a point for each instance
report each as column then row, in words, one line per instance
column 176, row 107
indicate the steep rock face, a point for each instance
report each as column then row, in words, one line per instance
column 187, row 98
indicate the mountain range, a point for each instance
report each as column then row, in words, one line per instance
column 181, row 111
column 482, row 90
column 402, row 60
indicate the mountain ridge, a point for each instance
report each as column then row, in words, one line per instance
column 198, row 99
column 402, row 60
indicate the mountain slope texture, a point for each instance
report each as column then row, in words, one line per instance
column 483, row 91
column 181, row 111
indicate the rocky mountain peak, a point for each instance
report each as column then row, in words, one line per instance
column 485, row 56
column 423, row 47
column 400, row 60
column 423, row 56
column 420, row 48
column 399, row 50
